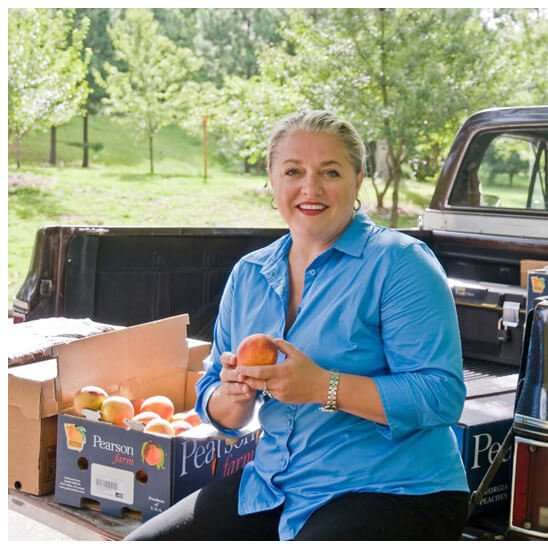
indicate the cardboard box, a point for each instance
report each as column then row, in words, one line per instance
column 530, row 265
column 32, row 427
column 138, row 361
column 198, row 350
column 122, row 470
column 537, row 286
column 480, row 432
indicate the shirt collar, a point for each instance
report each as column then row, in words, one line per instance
column 354, row 238
column 352, row 241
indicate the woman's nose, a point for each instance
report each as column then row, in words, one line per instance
column 312, row 184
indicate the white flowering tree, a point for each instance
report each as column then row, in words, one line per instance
column 46, row 70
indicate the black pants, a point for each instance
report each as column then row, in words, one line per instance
column 212, row 514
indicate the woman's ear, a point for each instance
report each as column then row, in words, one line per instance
column 359, row 181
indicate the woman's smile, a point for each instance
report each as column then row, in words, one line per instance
column 312, row 208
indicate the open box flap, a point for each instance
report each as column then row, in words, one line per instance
column 122, row 359
column 32, row 389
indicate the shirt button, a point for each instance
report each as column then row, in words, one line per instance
column 312, row 272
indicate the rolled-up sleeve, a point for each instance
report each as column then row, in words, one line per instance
column 211, row 380
column 424, row 387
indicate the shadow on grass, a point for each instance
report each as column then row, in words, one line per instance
column 29, row 202
column 124, row 176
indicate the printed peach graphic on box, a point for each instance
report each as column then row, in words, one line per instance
column 537, row 284
column 153, row 455
column 75, row 436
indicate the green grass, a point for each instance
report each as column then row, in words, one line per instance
column 117, row 190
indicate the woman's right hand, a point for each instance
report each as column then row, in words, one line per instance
column 238, row 392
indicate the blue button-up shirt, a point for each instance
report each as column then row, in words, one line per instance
column 376, row 303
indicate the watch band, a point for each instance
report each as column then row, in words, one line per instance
column 333, row 387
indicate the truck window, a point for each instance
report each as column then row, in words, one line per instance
column 504, row 170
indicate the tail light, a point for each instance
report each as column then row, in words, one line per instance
column 529, row 511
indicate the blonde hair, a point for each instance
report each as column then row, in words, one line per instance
column 319, row 121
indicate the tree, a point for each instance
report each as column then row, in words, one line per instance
column 523, row 35
column 147, row 89
column 46, row 70
column 98, row 42
column 72, row 66
column 242, row 113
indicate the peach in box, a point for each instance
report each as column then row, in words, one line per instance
column 159, row 404
column 180, row 426
column 160, row 426
column 89, row 397
column 257, row 349
column 117, row 409
column 145, row 417
column 191, row 417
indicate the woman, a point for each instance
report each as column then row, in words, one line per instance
column 356, row 415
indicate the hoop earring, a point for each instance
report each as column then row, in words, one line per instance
column 356, row 208
column 272, row 205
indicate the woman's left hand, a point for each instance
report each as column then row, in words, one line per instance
column 297, row 379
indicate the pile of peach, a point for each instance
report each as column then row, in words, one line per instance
column 156, row 414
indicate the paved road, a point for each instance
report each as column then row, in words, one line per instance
column 22, row 528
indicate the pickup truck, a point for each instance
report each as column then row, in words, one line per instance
column 489, row 211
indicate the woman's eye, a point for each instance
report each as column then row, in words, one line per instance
column 291, row 172
column 333, row 173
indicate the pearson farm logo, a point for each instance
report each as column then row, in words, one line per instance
column 75, row 436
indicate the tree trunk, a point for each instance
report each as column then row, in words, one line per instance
column 85, row 143
column 385, row 102
column 395, row 197
column 18, row 152
column 53, row 146
column 151, row 152
column 205, row 145
column 395, row 165
column 380, row 193
column 247, row 166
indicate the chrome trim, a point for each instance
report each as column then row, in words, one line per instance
column 531, row 421
column 20, row 306
column 535, row 227
column 538, row 534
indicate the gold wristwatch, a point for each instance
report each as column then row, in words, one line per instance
column 331, row 405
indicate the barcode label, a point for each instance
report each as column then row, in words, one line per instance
column 106, row 484
column 112, row 483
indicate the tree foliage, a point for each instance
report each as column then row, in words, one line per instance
column 147, row 90
column 401, row 75
column 46, row 69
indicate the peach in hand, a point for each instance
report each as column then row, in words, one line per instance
column 257, row 349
